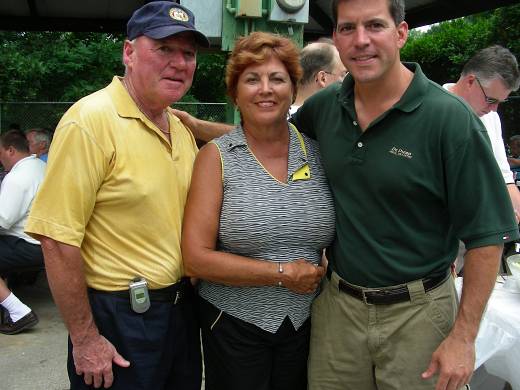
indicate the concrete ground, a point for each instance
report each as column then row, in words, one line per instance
column 36, row 358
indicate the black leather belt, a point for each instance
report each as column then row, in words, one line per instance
column 176, row 293
column 386, row 295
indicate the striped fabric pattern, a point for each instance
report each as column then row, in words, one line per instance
column 263, row 218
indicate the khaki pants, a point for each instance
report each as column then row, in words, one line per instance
column 385, row 347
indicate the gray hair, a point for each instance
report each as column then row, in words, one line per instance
column 315, row 57
column 494, row 62
column 396, row 8
column 40, row 135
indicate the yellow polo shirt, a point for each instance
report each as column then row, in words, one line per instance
column 116, row 189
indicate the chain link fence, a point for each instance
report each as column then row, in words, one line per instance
column 46, row 115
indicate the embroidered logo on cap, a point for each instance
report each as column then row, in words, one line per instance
column 179, row 14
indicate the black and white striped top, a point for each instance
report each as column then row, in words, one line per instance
column 263, row 218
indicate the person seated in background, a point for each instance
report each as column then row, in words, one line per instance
column 259, row 212
column 321, row 67
column 39, row 142
column 17, row 249
column 12, row 126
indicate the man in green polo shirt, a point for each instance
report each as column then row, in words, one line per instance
column 412, row 172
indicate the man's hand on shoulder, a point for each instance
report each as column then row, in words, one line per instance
column 187, row 119
column 93, row 358
column 201, row 129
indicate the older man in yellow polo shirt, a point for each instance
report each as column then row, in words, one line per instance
column 109, row 215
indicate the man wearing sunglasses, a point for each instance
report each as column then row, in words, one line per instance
column 486, row 81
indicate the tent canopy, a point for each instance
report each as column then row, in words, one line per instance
column 111, row 15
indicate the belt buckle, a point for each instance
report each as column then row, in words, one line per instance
column 369, row 290
column 363, row 294
column 364, row 297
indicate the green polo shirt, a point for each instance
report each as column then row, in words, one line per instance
column 418, row 179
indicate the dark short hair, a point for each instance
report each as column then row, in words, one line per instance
column 15, row 139
column 14, row 126
column 314, row 57
column 396, row 8
column 40, row 135
column 494, row 62
column 257, row 48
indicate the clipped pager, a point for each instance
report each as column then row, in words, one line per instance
column 139, row 297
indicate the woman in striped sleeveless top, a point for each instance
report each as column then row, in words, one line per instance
column 258, row 215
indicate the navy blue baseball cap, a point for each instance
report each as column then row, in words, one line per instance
column 161, row 19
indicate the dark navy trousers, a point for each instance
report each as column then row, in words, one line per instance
column 16, row 253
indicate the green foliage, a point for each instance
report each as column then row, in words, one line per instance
column 209, row 84
column 56, row 66
column 506, row 33
column 65, row 66
column 505, row 30
column 443, row 50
